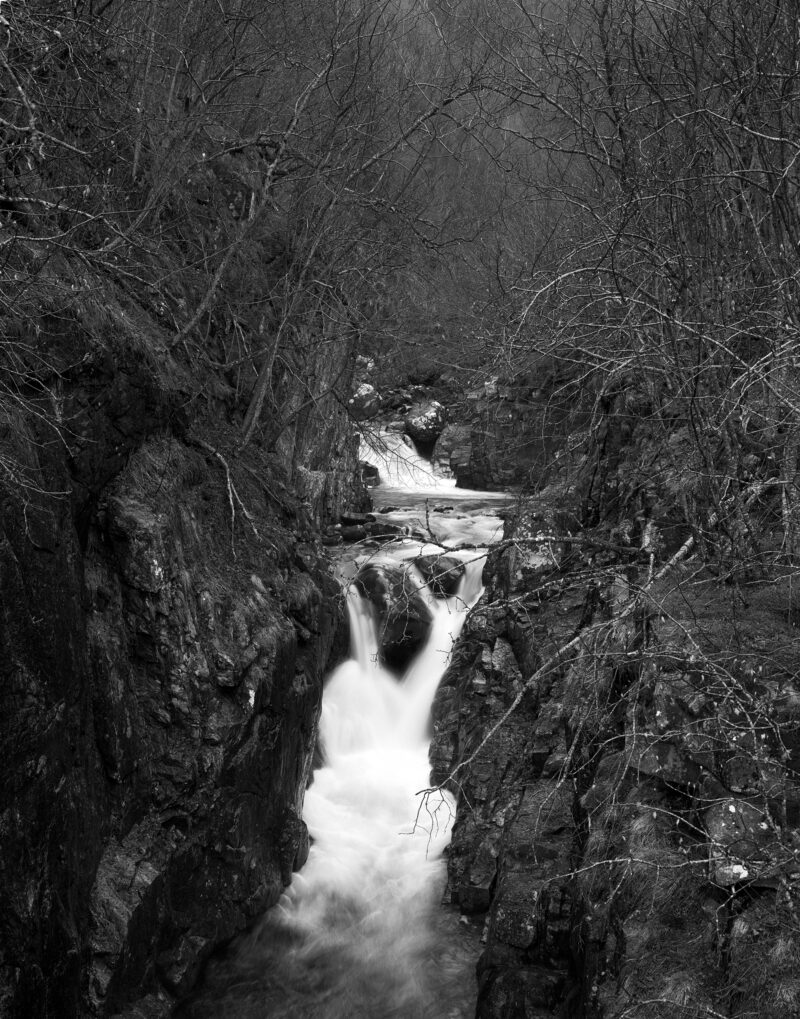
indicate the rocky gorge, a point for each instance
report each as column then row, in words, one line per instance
column 546, row 257
column 166, row 625
column 625, row 762
column 622, row 759
column 621, row 748
column 620, row 731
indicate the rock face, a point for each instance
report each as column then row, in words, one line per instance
column 452, row 451
column 509, row 431
column 630, row 826
column 207, row 681
column 165, row 627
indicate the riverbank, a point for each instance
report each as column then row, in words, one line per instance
column 623, row 743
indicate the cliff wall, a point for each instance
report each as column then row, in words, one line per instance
column 511, row 432
column 166, row 622
column 625, row 755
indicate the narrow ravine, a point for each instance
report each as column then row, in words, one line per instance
column 361, row 931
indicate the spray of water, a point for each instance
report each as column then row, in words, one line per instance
column 375, row 872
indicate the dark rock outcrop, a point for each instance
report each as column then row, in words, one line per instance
column 452, row 451
column 166, row 622
column 627, row 814
column 510, row 432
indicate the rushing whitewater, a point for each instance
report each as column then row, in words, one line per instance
column 410, row 486
column 399, row 464
column 374, row 874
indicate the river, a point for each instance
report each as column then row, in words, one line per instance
column 362, row 933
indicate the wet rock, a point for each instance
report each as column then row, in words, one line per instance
column 352, row 533
column 404, row 617
column 294, row 845
column 356, row 519
column 365, row 402
column 441, row 573
column 384, row 531
column 370, row 475
column 425, row 421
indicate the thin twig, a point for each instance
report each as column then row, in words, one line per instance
column 233, row 495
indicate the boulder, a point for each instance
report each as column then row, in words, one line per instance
column 383, row 531
column 352, row 519
column 441, row 573
column 365, row 402
column 404, row 618
column 425, row 421
column 370, row 475
column 352, row 532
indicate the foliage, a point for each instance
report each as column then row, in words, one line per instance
column 245, row 178
column 673, row 285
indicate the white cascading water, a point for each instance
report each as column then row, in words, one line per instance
column 409, row 484
column 360, row 933
column 375, row 873
column 399, row 464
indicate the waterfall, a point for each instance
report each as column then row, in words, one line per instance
column 375, row 871
column 361, row 933
column 399, row 464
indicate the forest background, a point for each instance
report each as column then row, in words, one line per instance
column 604, row 192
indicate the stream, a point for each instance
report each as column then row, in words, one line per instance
column 361, row 933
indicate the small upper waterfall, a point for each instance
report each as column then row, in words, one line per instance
column 399, row 464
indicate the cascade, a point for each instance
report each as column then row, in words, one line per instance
column 374, row 873
column 399, row 464
column 360, row 932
